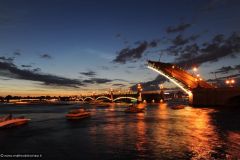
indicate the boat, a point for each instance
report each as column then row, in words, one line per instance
column 178, row 107
column 9, row 121
column 77, row 114
column 134, row 109
column 103, row 105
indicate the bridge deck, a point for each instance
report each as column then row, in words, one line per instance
column 188, row 80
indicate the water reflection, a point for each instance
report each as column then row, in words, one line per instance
column 141, row 134
column 159, row 133
column 203, row 136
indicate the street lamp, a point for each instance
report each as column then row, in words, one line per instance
column 195, row 69
column 161, row 93
column 161, row 86
column 111, row 94
column 230, row 82
column 129, row 90
column 139, row 88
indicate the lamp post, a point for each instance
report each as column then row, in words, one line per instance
column 161, row 93
column 195, row 69
column 230, row 82
column 111, row 94
column 139, row 89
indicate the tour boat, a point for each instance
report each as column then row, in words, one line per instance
column 178, row 107
column 77, row 114
column 134, row 109
column 103, row 105
column 8, row 121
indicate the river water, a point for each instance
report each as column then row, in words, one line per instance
column 110, row 133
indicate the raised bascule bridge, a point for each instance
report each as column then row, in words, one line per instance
column 200, row 92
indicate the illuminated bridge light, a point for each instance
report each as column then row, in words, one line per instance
column 179, row 76
column 172, row 79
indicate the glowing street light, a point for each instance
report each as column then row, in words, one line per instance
column 139, row 88
column 161, row 86
column 230, row 82
column 195, row 69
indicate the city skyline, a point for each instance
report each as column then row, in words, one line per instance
column 68, row 47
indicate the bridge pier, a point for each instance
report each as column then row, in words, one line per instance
column 216, row 97
column 111, row 93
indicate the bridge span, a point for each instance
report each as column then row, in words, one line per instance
column 200, row 92
column 148, row 96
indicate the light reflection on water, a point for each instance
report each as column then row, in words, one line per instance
column 159, row 133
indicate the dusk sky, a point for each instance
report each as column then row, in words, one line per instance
column 69, row 47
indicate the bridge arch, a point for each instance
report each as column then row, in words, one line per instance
column 103, row 97
column 131, row 98
column 81, row 99
column 88, row 98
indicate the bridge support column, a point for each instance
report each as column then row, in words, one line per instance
column 111, row 94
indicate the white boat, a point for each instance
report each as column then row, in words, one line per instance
column 8, row 121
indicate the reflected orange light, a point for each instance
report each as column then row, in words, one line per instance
column 141, row 132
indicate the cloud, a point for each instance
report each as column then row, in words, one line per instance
column 128, row 72
column 5, row 79
column 97, row 81
column 36, row 69
column 218, row 48
column 227, row 69
column 104, row 68
column 224, row 70
column 26, row 66
column 151, row 85
column 133, row 54
column 6, row 59
column 221, row 80
column 186, row 52
column 153, row 43
column 131, row 67
column 179, row 40
column 46, row 56
column 214, row 4
column 119, row 85
column 118, row 35
column 128, row 54
column 12, row 71
column 122, row 80
column 179, row 28
column 89, row 73
column 17, row 53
